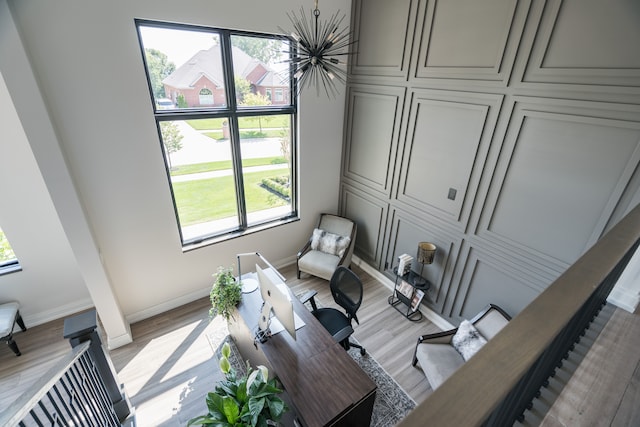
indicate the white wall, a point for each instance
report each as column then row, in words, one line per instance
column 50, row 284
column 86, row 59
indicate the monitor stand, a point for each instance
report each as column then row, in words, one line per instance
column 264, row 321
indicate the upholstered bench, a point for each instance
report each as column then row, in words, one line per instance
column 442, row 353
column 9, row 315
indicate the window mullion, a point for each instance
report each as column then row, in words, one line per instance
column 237, row 172
column 236, row 153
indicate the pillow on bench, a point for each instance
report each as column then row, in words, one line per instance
column 329, row 243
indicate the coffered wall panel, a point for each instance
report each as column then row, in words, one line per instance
column 370, row 215
column 468, row 39
column 487, row 279
column 405, row 233
column 383, row 50
column 373, row 125
column 511, row 140
column 444, row 152
column 588, row 42
column 562, row 170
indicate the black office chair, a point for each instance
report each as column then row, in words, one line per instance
column 346, row 289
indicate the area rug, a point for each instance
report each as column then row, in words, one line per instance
column 391, row 405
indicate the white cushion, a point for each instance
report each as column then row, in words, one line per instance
column 438, row 361
column 7, row 317
column 319, row 264
column 330, row 243
column 467, row 340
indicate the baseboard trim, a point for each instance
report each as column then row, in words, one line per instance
column 168, row 305
column 57, row 313
column 119, row 341
column 431, row 315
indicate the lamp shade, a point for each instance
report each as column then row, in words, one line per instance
column 426, row 252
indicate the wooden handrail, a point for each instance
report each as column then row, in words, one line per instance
column 472, row 394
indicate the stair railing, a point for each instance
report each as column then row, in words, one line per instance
column 81, row 389
column 497, row 385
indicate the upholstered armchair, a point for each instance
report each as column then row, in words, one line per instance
column 330, row 246
column 442, row 353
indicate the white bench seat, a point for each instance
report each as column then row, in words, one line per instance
column 9, row 316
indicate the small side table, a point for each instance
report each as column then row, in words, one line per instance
column 408, row 291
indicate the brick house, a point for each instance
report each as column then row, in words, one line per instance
column 200, row 79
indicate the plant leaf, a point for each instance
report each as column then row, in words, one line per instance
column 225, row 366
column 230, row 409
column 208, row 421
column 277, row 408
column 265, row 389
column 226, row 350
column 252, row 378
column 265, row 372
column 215, row 406
column 255, row 407
column 241, row 392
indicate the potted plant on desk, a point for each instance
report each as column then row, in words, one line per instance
column 225, row 294
column 249, row 400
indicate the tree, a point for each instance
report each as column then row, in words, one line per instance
column 256, row 99
column 266, row 50
column 172, row 139
column 6, row 253
column 285, row 147
column 182, row 103
column 243, row 87
column 159, row 67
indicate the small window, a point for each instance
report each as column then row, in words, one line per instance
column 229, row 152
column 8, row 260
column 279, row 95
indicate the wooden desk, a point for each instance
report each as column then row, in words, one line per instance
column 324, row 384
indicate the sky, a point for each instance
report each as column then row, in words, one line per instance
column 178, row 45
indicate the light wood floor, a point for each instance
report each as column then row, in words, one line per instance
column 599, row 385
column 169, row 367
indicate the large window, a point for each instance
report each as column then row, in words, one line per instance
column 8, row 260
column 229, row 152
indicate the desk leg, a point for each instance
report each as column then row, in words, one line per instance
column 359, row 415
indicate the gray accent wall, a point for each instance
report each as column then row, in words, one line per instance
column 505, row 132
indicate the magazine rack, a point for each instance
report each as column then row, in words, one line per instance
column 408, row 292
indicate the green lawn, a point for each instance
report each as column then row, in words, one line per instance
column 215, row 198
column 266, row 133
column 275, row 122
column 224, row 165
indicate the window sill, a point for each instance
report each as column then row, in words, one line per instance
column 10, row 269
column 234, row 235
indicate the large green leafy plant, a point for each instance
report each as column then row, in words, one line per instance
column 249, row 400
column 225, row 294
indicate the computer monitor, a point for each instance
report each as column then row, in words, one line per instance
column 277, row 299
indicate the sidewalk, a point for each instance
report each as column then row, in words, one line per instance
column 199, row 148
column 225, row 172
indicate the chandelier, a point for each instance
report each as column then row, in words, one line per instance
column 320, row 51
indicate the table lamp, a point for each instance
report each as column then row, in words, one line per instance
column 426, row 253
